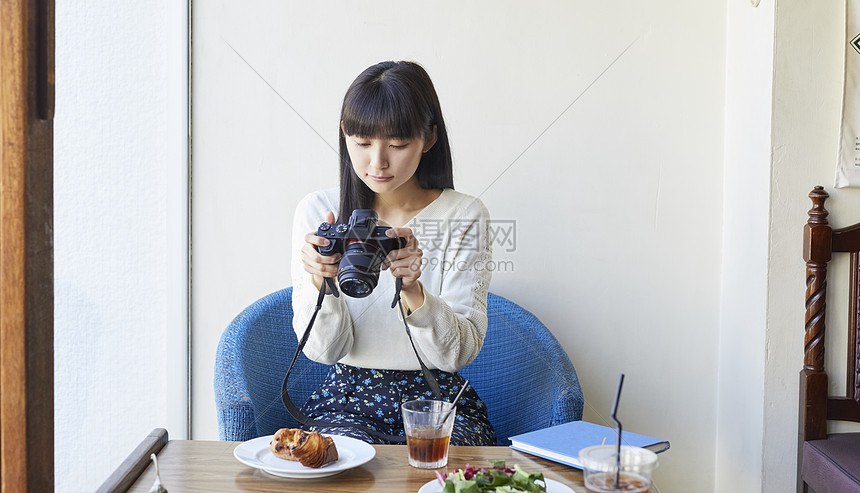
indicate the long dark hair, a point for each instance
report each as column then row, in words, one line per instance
column 393, row 100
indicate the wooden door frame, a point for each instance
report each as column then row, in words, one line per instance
column 26, row 245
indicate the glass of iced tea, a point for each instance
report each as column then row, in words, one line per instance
column 600, row 465
column 427, row 435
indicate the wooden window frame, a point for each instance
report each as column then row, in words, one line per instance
column 26, row 245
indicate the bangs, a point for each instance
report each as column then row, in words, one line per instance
column 384, row 111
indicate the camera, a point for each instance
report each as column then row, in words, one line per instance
column 363, row 245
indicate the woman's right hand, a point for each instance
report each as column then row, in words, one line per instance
column 317, row 265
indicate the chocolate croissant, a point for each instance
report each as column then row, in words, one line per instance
column 311, row 449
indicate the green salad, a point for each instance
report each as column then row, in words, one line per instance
column 498, row 478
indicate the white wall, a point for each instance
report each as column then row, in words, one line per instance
column 784, row 78
column 807, row 90
column 745, row 222
column 120, row 241
column 625, row 187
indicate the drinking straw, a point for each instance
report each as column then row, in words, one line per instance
column 618, row 428
column 454, row 403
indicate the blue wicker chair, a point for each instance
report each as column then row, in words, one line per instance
column 522, row 373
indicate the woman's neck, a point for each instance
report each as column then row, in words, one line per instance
column 398, row 207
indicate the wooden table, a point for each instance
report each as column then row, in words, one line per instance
column 194, row 465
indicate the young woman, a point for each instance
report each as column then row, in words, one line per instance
column 396, row 160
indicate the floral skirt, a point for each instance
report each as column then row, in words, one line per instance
column 372, row 398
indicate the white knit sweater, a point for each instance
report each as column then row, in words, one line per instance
column 448, row 329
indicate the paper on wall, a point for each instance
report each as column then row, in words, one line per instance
column 848, row 164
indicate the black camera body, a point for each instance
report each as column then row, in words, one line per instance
column 363, row 245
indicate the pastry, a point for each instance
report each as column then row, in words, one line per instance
column 311, row 449
column 283, row 442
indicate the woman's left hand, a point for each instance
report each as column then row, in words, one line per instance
column 405, row 263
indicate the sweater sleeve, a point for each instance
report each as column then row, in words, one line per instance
column 449, row 327
column 332, row 334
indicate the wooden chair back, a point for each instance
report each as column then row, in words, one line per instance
column 820, row 242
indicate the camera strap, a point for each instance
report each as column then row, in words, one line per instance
column 305, row 420
column 428, row 375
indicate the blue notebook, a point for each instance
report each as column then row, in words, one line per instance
column 562, row 443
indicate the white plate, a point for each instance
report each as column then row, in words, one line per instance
column 257, row 453
column 552, row 486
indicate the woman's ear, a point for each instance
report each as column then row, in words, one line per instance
column 431, row 140
column 341, row 128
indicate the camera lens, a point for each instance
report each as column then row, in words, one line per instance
column 356, row 287
column 359, row 269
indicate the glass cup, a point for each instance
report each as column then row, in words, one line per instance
column 427, row 437
column 599, row 466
